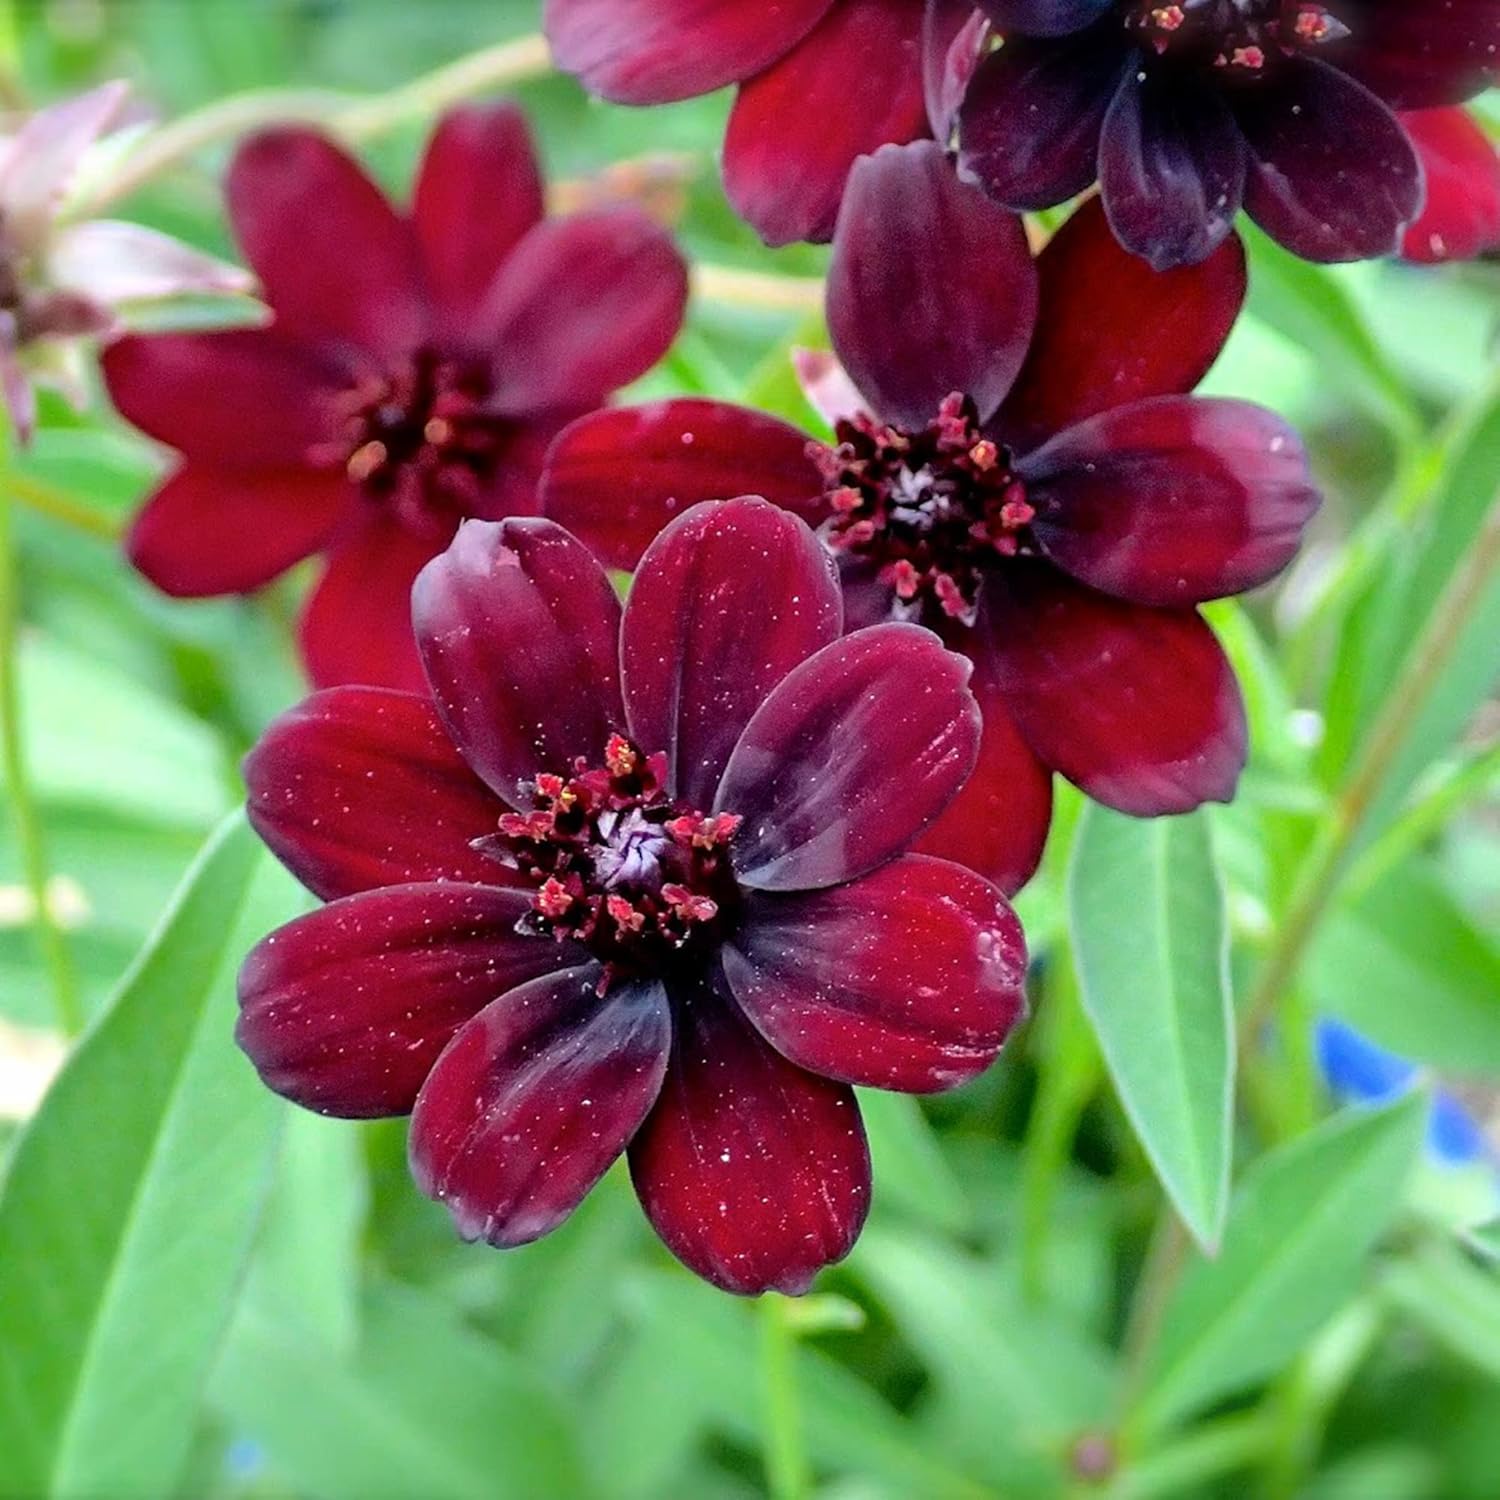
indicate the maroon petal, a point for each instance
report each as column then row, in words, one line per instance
column 1043, row 17
column 728, row 600
column 1332, row 175
column 850, row 758
column 535, row 1098
column 1171, row 170
column 616, row 477
column 518, row 629
column 754, row 1172
column 909, row 979
column 214, row 531
column 335, row 260
column 478, row 192
column 1137, row 706
column 946, row 305
column 953, row 41
column 345, row 1010
column 1173, row 501
column 356, row 626
column 1461, row 218
column 583, row 306
column 1110, row 330
column 657, row 51
column 361, row 787
column 237, row 398
column 1028, row 130
column 1416, row 56
column 998, row 823
column 792, row 136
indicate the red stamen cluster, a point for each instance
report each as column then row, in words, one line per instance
column 618, row 866
column 422, row 440
column 934, row 508
column 1244, row 35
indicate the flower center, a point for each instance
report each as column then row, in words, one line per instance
column 638, row 879
column 1244, row 36
column 933, row 509
column 423, row 440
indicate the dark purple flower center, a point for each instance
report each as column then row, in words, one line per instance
column 423, row 440
column 638, row 879
column 1244, row 37
column 934, row 510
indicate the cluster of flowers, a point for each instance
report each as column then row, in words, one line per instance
column 667, row 880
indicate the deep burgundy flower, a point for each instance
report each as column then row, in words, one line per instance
column 413, row 372
column 1461, row 218
column 635, row 883
column 1182, row 110
column 1027, row 475
column 821, row 83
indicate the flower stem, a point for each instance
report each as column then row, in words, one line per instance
column 56, row 505
column 785, row 1458
column 1166, row 1259
column 54, row 952
column 1329, row 857
column 761, row 290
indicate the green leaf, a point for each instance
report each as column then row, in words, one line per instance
column 128, row 1209
column 909, row 1164
column 1152, row 950
column 1458, row 1303
column 1302, row 1222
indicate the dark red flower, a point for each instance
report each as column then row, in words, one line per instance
column 636, row 883
column 1461, row 218
column 1182, row 110
column 822, row 82
column 412, row 375
column 1027, row 475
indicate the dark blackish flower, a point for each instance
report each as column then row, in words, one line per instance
column 637, row 884
column 412, row 375
column 1184, row 111
column 1016, row 464
column 1461, row 218
column 821, row 82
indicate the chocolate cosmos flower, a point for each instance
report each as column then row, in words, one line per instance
column 637, row 885
column 1461, row 218
column 411, row 377
column 821, row 83
column 1184, row 110
column 1026, row 475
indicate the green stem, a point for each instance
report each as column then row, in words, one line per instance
column 787, row 1476
column 54, row 952
column 1166, row 1258
column 1328, row 859
column 1211, row 1450
column 57, row 506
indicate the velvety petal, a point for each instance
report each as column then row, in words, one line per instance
column 335, row 260
column 1416, row 56
column 1173, row 501
column 583, row 306
column 1461, row 218
column 217, row 531
column 518, row 629
column 616, row 477
column 1171, row 169
column 1043, row 17
column 998, row 823
column 657, row 51
column 346, row 1009
column 238, row 398
column 909, row 979
column 850, row 758
column 953, row 41
column 727, row 600
column 535, row 1098
column 868, row 599
column 356, row 625
column 792, row 135
column 478, row 192
column 1028, row 130
column 1110, row 330
column 1332, row 175
column 946, row 305
column 1137, row 706
column 360, row 787
column 754, row 1172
